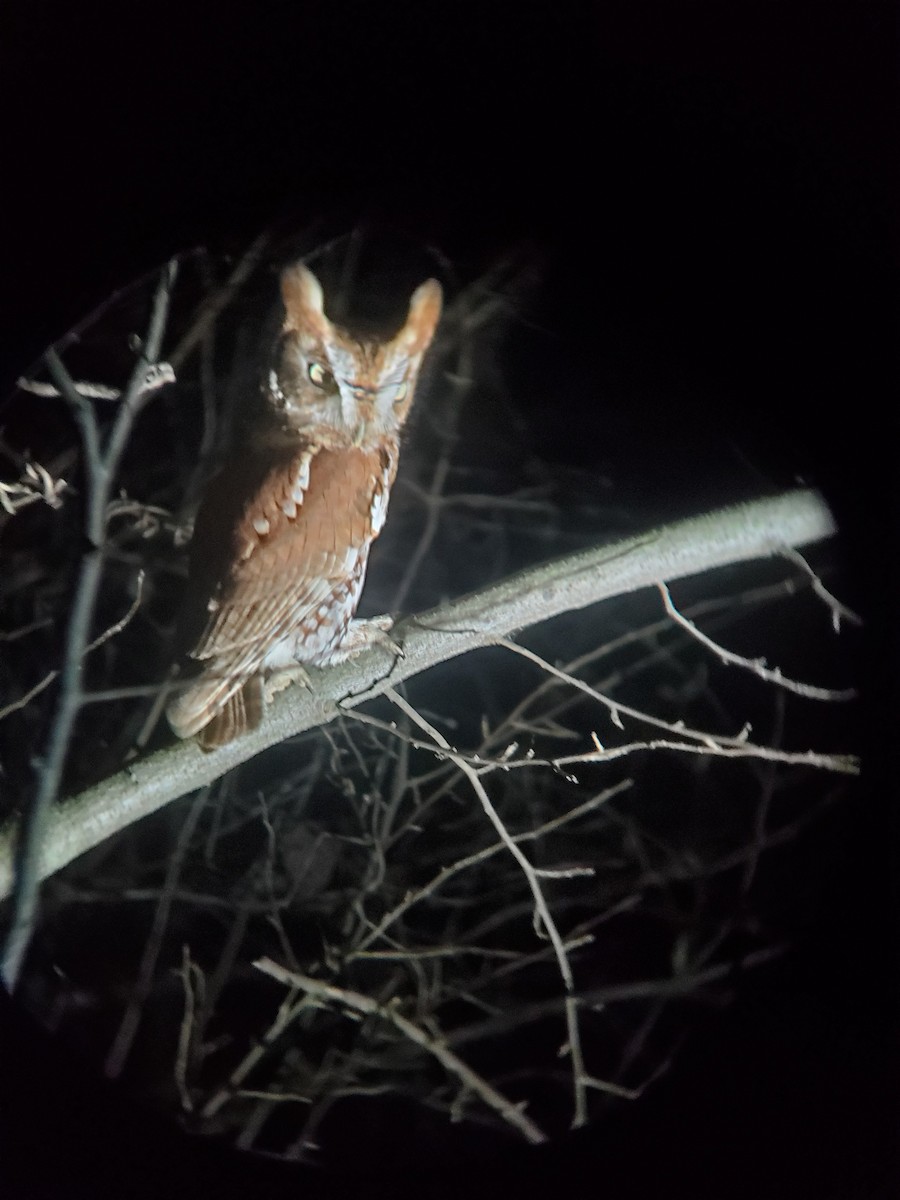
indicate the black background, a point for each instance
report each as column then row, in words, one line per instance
column 711, row 183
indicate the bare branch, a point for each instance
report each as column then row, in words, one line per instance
column 157, row 375
column 757, row 665
column 838, row 610
column 690, row 983
column 219, row 300
column 708, row 743
column 91, row 391
column 755, row 530
column 131, row 1019
column 543, row 917
column 357, row 1002
column 478, row 857
column 44, row 683
column 35, row 484
column 100, row 466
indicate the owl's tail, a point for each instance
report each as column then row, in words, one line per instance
column 216, row 711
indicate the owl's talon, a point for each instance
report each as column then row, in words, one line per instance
column 283, row 679
column 362, row 635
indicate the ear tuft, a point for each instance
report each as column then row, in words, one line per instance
column 304, row 303
column 424, row 314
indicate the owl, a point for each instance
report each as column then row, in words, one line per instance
column 282, row 537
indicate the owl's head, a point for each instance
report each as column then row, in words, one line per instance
column 339, row 389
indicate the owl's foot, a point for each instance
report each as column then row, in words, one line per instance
column 362, row 635
column 283, row 679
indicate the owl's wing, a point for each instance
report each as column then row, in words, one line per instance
column 303, row 533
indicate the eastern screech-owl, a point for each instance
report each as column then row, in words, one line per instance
column 282, row 538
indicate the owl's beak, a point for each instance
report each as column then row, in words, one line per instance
column 366, row 399
column 357, row 410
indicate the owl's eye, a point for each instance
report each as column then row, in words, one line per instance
column 402, row 392
column 318, row 376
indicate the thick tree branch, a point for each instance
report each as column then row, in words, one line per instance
column 759, row 529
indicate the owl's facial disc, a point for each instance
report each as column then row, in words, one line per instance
column 366, row 409
column 336, row 387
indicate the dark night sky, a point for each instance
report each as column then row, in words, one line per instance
column 710, row 185
column 707, row 181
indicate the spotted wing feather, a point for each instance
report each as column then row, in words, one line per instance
column 297, row 554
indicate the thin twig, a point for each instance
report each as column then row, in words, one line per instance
column 91, row 391
column 480, row 856
column 100, row 469
column 119, row 625
column 756, row 665
column 288, row 1011
column 36, row 484
column 158, row 375
column 192, row 981
column 215, row 304
column 131, row 1018
column 844, row 764
column 356, row 1001
column 838, row 610
column 689, row 984
column 718, row 745
column 542, row 910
